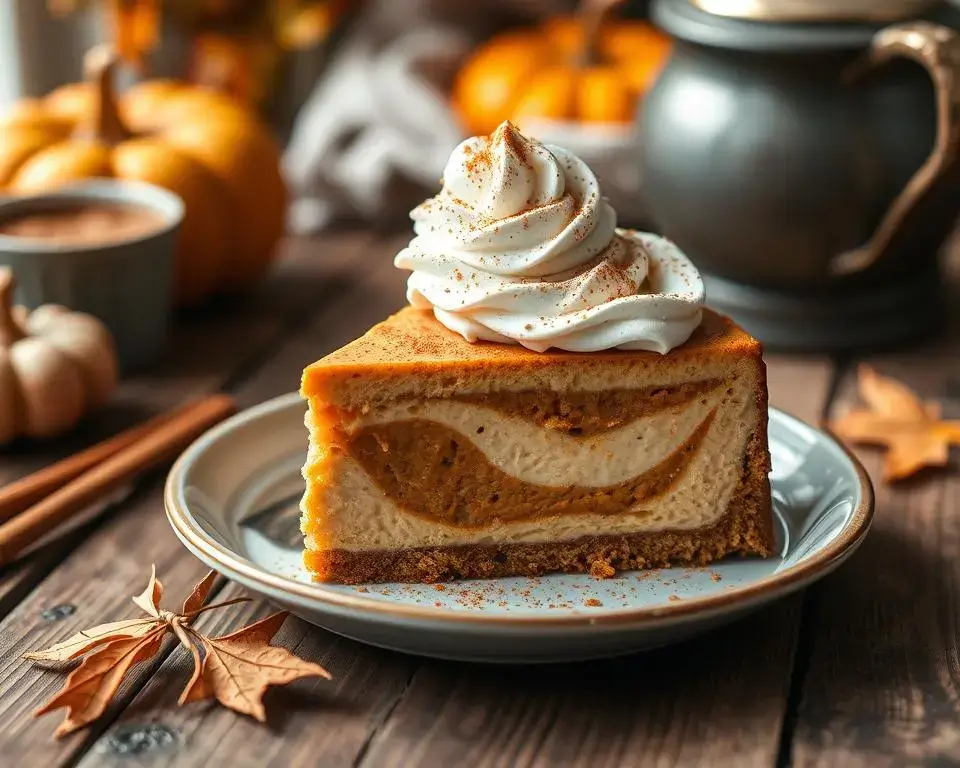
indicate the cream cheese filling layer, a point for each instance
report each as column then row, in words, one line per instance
column 543, row 456
column 359, row 516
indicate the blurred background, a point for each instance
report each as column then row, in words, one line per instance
column 802, row 152
column 369, row 97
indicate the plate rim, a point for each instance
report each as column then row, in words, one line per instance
column 780, row 583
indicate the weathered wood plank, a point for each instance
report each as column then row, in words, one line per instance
column 206, row 356
column 377, row 290
column 100, row 572
column 313, row 722
column 207, row 342
column 800, row 385
column 716, row 700
column 207, row 348
column 319, row 723
column 463, row 715
column 713, row 701
column 316, row 727
column 883, row 683
column 453, row 713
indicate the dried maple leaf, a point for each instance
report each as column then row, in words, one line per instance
column 193, row 603
column 236, row 669
column 88, row 639
column 911, row 430
column 196, row 689
column 91, row 686
column 149, row 599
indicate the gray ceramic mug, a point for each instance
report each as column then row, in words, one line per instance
column 127, row 283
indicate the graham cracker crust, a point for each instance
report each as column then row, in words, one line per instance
column 745, row 529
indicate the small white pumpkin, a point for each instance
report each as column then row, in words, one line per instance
column 55, row 366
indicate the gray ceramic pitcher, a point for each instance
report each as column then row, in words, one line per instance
column 809, row 167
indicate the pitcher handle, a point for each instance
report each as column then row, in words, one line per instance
column 937, row 49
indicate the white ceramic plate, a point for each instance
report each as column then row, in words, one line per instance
column 233, row 496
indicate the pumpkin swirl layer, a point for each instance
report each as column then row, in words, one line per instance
column 584, row 414
column 454, row 483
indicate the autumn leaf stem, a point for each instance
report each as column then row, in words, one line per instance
column 213, row 606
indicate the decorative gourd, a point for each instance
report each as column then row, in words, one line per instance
column 55, row 366
column 206, row 148
column 588, row 69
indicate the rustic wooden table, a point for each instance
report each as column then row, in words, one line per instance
column 861, row 669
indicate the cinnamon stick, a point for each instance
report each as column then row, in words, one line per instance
column 20, row 494
column 150, row 450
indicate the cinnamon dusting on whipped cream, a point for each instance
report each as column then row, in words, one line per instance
column 520, row 247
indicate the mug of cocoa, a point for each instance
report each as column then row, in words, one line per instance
column 104, row 247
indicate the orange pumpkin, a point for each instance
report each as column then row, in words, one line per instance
column 199, row 144
column 565, row 70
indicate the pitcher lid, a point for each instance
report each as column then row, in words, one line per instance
column 791, row 25
column 817, row 10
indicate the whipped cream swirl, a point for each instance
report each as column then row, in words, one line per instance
column 520, row 247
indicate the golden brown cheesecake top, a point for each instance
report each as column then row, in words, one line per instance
column 412, row 342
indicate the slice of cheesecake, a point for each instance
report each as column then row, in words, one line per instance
column 432, row 458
